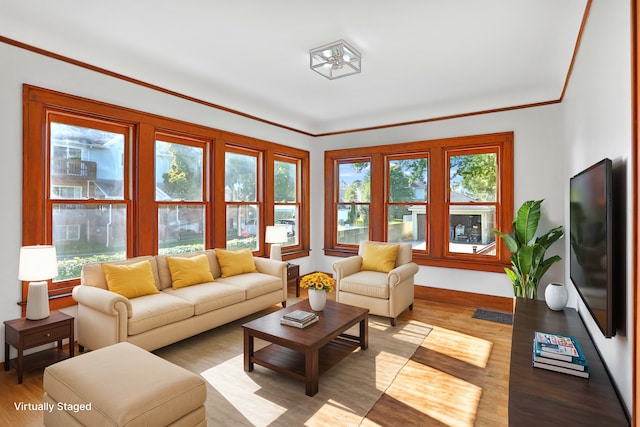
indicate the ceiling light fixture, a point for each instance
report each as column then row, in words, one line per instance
column 335, row 60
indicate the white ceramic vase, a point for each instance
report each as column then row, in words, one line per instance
column 556, row 296
column 317, row 299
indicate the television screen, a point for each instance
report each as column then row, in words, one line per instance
column 591, row 241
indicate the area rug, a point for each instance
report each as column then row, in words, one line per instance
column 263, row 397
column 493, row 316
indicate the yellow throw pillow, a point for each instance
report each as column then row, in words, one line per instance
column 379, row 257
column 130, row 280
column 235, row 262
column 189, row 271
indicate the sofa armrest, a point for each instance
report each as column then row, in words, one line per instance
column 103, row 317
column 272, row 267
column 402, row 273
column 104, row 301
column 347, row 266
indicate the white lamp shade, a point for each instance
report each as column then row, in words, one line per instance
column 276, row 234
column 37, row 263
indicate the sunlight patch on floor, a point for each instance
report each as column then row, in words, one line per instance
column 463, row 347
column 225, row 378
column 443, row 397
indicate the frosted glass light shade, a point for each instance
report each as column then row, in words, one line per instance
column 335, row 60
column 37, row 265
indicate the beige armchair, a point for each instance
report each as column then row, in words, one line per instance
column 383, row 293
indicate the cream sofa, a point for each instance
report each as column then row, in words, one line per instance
column 160, row 319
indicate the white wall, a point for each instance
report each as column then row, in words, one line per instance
column 597, row 124
column 538, row 165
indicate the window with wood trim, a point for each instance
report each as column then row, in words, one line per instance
column 444, row 197
column 102, row 182
column 243, row 198
column 287, row 197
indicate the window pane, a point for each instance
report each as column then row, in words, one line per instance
column 408, row 223
column 242, row 227
column 353, row 223
column 178, row 172
column 286, row 215
column 180, row 229
column 285, row 182
column 240, row 178
column 355, row 180
column 473, row 178
column 470, row 229
column 89, row 159
column 408, row 180
column 88, row 233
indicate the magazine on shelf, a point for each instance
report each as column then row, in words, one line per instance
column 299, row 316
column 577, row 364
column 296, row 324
column 559, row 347
column 574, row 372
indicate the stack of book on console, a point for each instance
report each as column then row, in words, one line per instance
column 559, row 353
column 299, row 319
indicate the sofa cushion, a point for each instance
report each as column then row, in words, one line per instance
column 379, row 257
column 207, row 297
column 237, row 262
column 254, row 284
column 187, row 271
column 152, row 311
column 164, row 274
column 130, row 280
column 92, row 274
column 369, row 283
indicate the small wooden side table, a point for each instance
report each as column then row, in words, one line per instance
column 24, row 334
column 293, row 277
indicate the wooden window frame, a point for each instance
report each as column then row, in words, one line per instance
column 437, row 254
column 139, row 163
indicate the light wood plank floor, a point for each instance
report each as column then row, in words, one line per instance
column 458, row 377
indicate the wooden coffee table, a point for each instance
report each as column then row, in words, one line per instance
column 304, row 354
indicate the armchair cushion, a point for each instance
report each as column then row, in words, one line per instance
column 130, row 280
column 379, row 257
column 368, row 283
column 189, row 271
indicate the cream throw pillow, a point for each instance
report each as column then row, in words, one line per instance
column 130, row 280
column 235, row 262
column 187, row 271
column 379, row 257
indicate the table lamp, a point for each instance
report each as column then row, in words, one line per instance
column 37, row 265
column 276, row 235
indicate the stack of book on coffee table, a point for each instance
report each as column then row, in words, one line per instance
column 299, row 318
column 560, row 353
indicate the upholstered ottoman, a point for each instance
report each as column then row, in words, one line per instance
column 122, row 385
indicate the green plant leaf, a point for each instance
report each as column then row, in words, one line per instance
column 511, row 243
column 525, row 259
column 526, row 221
column 550, row 237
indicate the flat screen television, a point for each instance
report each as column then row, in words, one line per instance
column 591, row 242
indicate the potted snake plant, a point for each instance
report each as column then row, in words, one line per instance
column 528, row 263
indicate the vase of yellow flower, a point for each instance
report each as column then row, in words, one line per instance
column 318, row 285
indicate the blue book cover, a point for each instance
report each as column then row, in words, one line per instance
column 576, row 364
column 559, row 347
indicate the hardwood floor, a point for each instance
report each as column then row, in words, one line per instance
column 458, row 377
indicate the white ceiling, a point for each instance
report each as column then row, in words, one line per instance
column 422, row 59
